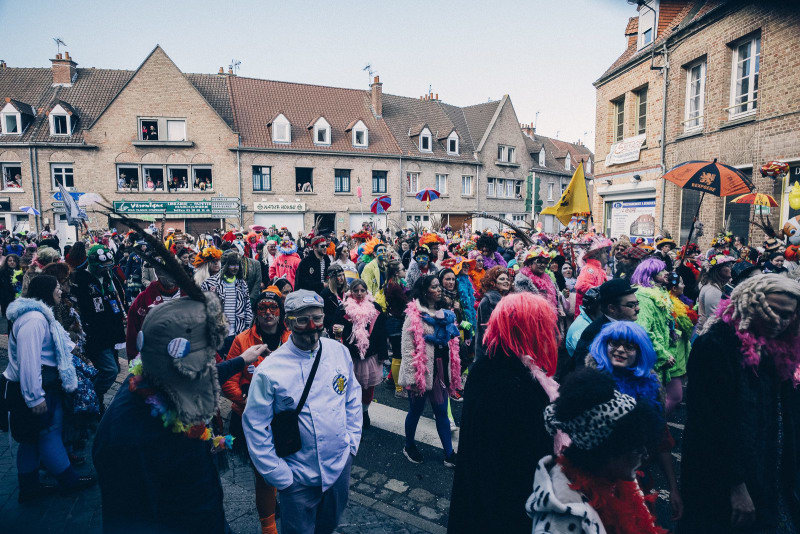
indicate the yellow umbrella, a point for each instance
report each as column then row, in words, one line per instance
column 756, row 199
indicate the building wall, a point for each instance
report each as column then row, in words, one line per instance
column 18, row 197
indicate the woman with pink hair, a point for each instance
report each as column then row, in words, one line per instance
column 502, row 427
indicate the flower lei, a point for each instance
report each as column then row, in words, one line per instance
column 158, row 408
column 620, row 504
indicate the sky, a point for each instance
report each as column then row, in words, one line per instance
column 545, row 54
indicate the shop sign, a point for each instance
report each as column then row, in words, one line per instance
column 625, row 151
column 177, row 207
column 634, row 218
column 281, row 207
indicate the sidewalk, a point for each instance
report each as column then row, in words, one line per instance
column 82, row 512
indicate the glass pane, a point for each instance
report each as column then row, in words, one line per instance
column 11, row 123
column 176, row 130
column 60, row 124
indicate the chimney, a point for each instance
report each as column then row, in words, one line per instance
column 377, row 96
column 222, row 71
column 230, row 70
column 528, row 129
column 64, row 70
column 437, row 96
column 2, row 64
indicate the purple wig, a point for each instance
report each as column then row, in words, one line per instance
column 645, row 271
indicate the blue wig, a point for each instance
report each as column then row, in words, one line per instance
column 624, row 331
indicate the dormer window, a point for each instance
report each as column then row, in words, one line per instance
column 425, row 141
column 61, row 119
column 281, row 130
column 647, row 23
column 359, row 132
column 568, row 162
column 452, row 143
column 541, row 157
column 322, row 132
column 588, row 166
column 11, row 122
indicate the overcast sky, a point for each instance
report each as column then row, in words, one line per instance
column 544, row 53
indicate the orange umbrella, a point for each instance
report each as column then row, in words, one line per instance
column 757, row 199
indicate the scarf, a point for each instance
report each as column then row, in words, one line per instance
column 61, row 342
column 419, row 356
column 544, row 284
column 363, row 316
column 620, row 503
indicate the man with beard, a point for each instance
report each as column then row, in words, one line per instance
column 310, row 273
column 158, row 292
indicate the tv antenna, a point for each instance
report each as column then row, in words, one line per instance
column 535, row 120
column 369, row 70
column 59, row 43
column 234, row 66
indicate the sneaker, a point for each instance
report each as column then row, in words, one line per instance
column 402, row 394
column 450, row 460
column 413, row 454
column 457, row 397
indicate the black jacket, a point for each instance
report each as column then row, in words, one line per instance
column 485, row 309
column 585, row 343
column 501, row 440
column 732, row 435
column 308, row 276
column 100, row 310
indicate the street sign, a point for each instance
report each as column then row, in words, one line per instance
column 224, row 205
column 57, row 195
column 225, row 199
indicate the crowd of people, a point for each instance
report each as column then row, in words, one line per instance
column 570, row 353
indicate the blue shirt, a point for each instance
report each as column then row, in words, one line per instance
column 330, row 421
column 576, row 329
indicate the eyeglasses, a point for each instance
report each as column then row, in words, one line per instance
column 631, row 305
column 624, row 345
column 304, row 320
column 267, row 307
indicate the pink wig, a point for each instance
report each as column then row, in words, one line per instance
column 524, row 325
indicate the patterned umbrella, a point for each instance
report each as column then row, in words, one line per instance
column 380, row 204
column 757, row 199
column 30, row 210
column 428, row 194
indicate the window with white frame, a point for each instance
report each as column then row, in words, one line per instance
column 262, row 178
column 176, row 130
column 60, row 121
column 425, row 144
column 178, row 178
column 510, row 188
column 11, row 120
column 440, row 184
column 541, row 157
column 161, row 178
column 322, row 132
column 341, row 180
column 695, row 94
column 281, row 130
column 360, row 135
column 619, row 118
column 588, row 166
column 744, row 78
column 506, row 154
column 466, row 186
column 379, row 181
column 511, row 154
column 62, row 173
column 518, row 189
column 128, row 177
column 568, row 162
column 452, row 143
column 12, row 176
column 563, row 187
column 153, row 178
column 202, row 179
column 501, row 153
column 550, row 187
column 412, row 183
column 641, row 111
column 490, row 187
column 647, row 23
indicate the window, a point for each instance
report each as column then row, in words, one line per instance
column 322, row 132
column 62, row 174
column 744, row 82
column 178, row 179
column 11, row 123
column 563, row 187
column 304, row 179
column 518, row 189
column 412, row 183
column 511, row 154
column 647, row 20
column 490, row 187
column 506, row 153
column 466, row 186
column 695, row 91
column 148, row 129
column 153, row 178
column 452, row 143
column 588, row 168
column 60, row 125
column 360, row 135
column 262, row 178
column 501, row 153
column 440, row 184
column 641, row 111
column 510, row 188
column 550, row 187
column 341, row 180
column 568, row 162
column 619, row 118
column 176, row 130
column 425, row 141
column 128, row 178
column 202, row 179
column 541, row 157
column 281, row 130
column 12, row 176
column 379, row 181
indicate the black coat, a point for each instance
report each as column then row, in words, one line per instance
column 585, row 343
column 308, row 276
column 100, row 310
column 502, row 438
column 484, row 312
column 731, row 434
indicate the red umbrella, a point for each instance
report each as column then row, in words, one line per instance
column 428, row 194
column 380, row 204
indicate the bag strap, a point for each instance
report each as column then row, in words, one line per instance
column 309, row 380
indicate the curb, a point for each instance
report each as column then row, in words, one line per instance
column 382, row 507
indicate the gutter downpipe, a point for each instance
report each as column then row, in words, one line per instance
column 402, row 194
column 34, row 182
column 665, row 74
column 239, row 171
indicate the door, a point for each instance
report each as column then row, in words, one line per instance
column 292, row 221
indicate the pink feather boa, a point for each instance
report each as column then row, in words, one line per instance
column 786, row 352
column 419, row 356
column 544, row 284
column 363, row 316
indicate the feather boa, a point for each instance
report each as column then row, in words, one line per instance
column 680, row 312
column 544, row 284
column 620, row 503
column 420, row 356
column 466, row 294
column 363, row 316
column 785, row 351
column 287, row 251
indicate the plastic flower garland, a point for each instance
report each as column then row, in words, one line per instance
column 158, row 408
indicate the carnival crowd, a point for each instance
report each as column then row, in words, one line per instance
column 570, row 353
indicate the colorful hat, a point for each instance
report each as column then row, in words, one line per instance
column 428, row 238
column 457, row 264
column 538, row 252
column 665, row 241
column 720, row 259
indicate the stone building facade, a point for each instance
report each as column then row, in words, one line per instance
column 728, row 69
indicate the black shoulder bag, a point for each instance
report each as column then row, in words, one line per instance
column 286, row 426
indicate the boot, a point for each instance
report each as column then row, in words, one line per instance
column 268, row 525
column 69, row 481
column 30, row 488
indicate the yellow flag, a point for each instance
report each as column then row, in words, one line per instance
column 574, row 201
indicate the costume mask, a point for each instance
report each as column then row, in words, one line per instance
column 100, row 257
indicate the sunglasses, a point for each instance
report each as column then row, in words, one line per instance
column 267, row 308
column 305, row 320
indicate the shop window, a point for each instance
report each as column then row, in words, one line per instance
column 262, row 178
column 178, row 178
column 12, row 176
column 128, row 178
column 153, row 178
column 379, row 181
column 62, row 174
column 304, row 179
column 203, row 180
column 148, row 129
column 341, row 180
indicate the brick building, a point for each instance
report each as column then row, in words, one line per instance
column 727, row 69
column 159, row 141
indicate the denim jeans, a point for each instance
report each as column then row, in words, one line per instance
column 48, row 450
column 105, row 361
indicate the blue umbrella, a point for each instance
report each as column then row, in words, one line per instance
column 30, row 210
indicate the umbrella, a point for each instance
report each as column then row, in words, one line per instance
column 709, row 177
column 30, row 210
column 756, row 199
column 257, row 228
column 428, row 194
column 380, row 204
column 87, row 199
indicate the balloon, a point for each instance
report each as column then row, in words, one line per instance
column 794, row 196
